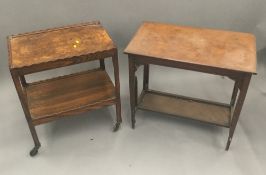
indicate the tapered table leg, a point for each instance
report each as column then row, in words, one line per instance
column 243, row 86
column 146, row 77
column 132, row 79
column 234, row 95
column 117, row 91
column 20, row 84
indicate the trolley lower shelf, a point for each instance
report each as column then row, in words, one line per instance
column 71, row 94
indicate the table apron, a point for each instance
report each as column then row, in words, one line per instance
column 142, row 60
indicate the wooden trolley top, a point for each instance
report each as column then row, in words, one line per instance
column 56, row 44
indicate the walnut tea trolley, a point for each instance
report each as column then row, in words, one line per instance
column 225, row 53
column 47, row 100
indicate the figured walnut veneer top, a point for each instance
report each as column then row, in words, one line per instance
column 58, row 43
column 214, row 48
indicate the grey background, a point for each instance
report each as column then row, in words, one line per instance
column 160, row 144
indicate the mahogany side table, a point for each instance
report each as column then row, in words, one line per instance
column 68, row 95
column 225, row 53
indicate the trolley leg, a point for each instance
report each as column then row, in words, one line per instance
column 117, row 91
column 20, row 85
column 102, row 64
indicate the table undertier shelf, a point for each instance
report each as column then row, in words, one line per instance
column 70, row 94
column 210, row 112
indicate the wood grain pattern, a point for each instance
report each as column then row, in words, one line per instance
column 56, row 44
column 65, row 95
column 199, row 46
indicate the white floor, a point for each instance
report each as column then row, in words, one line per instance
column 160, row 144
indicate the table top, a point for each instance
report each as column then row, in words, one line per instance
column 59, row 43
column 214, row 48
